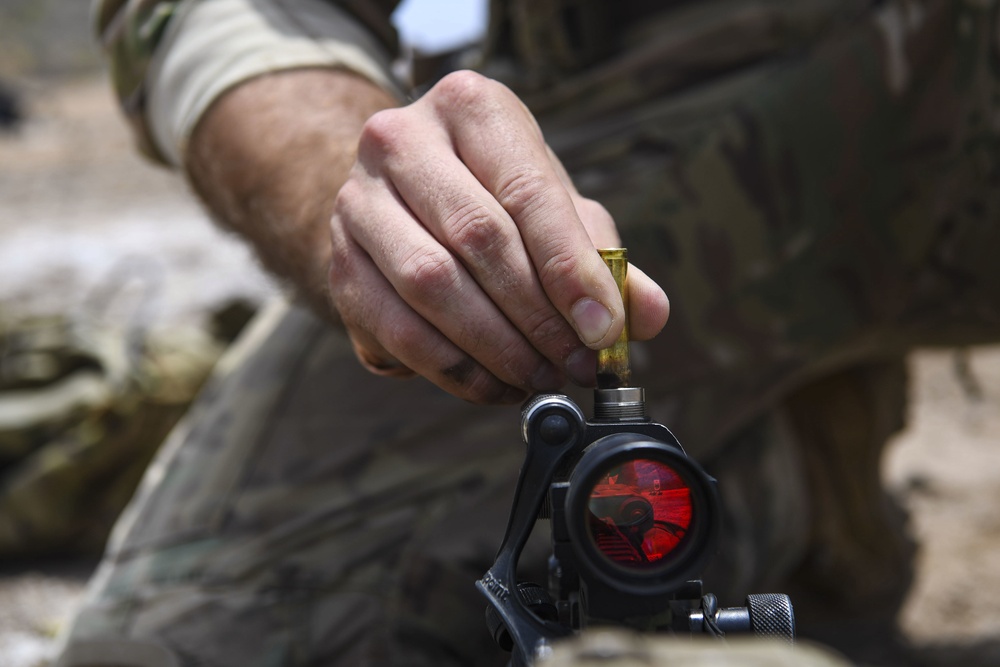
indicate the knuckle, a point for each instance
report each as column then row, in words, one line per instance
column 429, row 274
column 464, row 88
column 472, row 228
column 548, row 331
column 349, row 197
column 483, row 388
column 511, row 358
column 400, row 337
column 518, row 364
column 478, row 335
column 521, row 190
column 472, row 382
column 508, row 357
column 382, row 132
column 559, row 267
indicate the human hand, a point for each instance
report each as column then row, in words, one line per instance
column 462, row 252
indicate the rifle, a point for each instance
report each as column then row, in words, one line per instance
column 634, row 520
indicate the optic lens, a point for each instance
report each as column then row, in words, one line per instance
column 639, row 512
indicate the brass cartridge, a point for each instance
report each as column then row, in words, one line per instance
column 613, row 366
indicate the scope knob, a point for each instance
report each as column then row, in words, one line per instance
column 771, row 615
column 555, row 430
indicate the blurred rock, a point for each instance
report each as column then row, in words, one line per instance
column 44, row 38
column 10, row 108
column 84, row 405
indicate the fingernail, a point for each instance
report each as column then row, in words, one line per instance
column 581, row 366
column 547, row 378
column 591, row 319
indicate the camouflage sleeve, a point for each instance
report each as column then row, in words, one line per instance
column 128, row 33
column 169, row 59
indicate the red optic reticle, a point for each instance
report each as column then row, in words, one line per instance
column 639, row 512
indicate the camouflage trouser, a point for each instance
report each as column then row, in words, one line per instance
column 813, row 216
column 306, row 512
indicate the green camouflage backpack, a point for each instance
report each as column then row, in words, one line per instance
column 83, row 407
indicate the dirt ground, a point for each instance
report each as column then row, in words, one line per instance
column 75, row 202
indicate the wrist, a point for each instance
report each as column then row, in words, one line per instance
column 268, row 158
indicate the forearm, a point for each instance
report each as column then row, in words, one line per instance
column 268, row 159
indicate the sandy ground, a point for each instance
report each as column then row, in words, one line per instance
column 75, row 203
column 77, row 206
column 946, row 468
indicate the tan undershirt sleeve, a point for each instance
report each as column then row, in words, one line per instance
column 211, row 45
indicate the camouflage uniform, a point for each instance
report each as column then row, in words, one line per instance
column 815, row 186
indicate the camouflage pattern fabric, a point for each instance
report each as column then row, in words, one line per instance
column 813, row 215
column 307, row 511
column 814, row 185
column 808, row 211
column 81, row 415
column 130, row 30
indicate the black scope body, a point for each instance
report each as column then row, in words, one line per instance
column 634, row 521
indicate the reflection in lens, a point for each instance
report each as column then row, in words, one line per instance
column 639, row 512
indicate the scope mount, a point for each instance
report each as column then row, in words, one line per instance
column 565, row 453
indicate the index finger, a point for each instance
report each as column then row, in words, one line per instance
column 499, row 142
